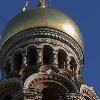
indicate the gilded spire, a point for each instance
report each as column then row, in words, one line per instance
column 41, row 4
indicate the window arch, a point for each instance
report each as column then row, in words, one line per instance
column 17, row 60
column 47, row 55
column 62, row 59
column 73, row 64
column 32, row 55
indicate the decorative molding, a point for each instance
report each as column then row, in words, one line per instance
column 89, row 92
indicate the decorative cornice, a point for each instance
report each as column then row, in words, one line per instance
column 35, row 36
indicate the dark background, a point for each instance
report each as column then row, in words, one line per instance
column 86, row 14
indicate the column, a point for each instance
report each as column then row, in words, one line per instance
column 55, row 59
column 77, row 71
column 24, row 57
column 39, row 58
column 68, row 61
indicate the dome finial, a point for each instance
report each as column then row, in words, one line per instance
column 41, row 4
column 26, row 4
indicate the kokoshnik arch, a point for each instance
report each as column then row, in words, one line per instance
column 41, row 55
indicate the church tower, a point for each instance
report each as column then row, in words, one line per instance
column 41, row 54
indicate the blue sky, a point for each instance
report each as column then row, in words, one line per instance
column 86, row 14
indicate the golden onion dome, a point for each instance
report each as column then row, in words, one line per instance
column 42, row 17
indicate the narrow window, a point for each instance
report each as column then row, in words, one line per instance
column 32, row 56
column 47, row 55
column 17, row 60
column 62, row 58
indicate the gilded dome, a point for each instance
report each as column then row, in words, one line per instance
column 42, row 17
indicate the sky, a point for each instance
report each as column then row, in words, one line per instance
column 86, row 14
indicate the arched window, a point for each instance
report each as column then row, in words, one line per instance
column 47, row 55
column 73, row 64
column 62, row 58
column 17, row 60
column 32, row 55
column 8, row 66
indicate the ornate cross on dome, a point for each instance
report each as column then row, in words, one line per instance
column 41, row 4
